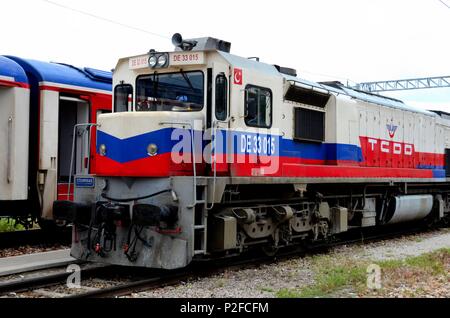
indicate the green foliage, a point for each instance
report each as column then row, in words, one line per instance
column 333, row 274
column 330, row 277
column 9, row 225
column 430, row 261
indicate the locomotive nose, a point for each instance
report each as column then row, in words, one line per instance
column 147, row 144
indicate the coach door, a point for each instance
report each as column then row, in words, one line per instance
column 72, row 111
column 220, row 116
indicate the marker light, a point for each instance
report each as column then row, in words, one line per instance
column 152, row 150
column 102, row 150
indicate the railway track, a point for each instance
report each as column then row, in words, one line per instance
column 203, row 270
column 35, row 237
column 139, row 280
column 43, row 279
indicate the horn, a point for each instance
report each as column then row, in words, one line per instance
column 177, row 39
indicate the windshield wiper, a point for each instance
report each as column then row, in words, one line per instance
column 186, row 78
column 155, row 84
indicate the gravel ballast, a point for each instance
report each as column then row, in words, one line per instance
column 268, row 280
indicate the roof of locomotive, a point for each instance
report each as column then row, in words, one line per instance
column 66, row 74
column 335, row 88
column 332, row 87
column 378, row 99
column 340, row 89
column 10, row 69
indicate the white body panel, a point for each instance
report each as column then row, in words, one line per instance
column 48, row 143
column 117, row 124
column 14, row 136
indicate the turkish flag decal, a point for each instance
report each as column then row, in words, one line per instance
column 237, row 76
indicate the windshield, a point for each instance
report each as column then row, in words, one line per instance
column 181, row 91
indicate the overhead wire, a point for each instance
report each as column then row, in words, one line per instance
column 445, row 4
column 98, row 17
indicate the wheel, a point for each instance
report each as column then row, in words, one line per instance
column 269, row 250
column 47, row 225
column 52, row 225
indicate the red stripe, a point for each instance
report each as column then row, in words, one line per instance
column 158, row 166
column 14, row 84
column 246, row 166
column 71, row 90
column 290, row 167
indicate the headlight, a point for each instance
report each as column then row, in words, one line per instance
column 102, row 150
column 152, row 61
column 152, row 150
column 162, row 60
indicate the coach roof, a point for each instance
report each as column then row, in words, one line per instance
column 10, row 69
column 66, row 74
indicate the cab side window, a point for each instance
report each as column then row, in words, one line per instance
column 258, row 106
column 123, row 96
column 221, row 96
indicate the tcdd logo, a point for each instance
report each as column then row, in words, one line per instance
column 391, row 129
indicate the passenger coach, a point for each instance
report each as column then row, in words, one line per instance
column 40, row 103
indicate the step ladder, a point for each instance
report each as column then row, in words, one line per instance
column 200, row 220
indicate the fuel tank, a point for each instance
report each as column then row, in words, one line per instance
column 408, row 208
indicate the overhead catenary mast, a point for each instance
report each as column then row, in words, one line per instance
column 405, row 84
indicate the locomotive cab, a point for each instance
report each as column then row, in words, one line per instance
column 162, row 105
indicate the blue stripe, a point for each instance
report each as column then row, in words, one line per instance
column 439, row 173
column 254, row 143
column 429, row 167
column 321, row 151
column 135, row 148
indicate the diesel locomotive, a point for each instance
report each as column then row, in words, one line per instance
column 208, row 155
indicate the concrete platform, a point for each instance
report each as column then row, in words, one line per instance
column 31, row 262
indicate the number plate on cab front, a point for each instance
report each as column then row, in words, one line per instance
column 188, row 58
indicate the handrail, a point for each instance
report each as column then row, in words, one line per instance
column 89, row 125
column 215, row 125
column 193, row 156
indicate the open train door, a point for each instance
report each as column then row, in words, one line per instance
column 72, row 111
column 59, row 115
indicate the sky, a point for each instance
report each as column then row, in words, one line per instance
column 347, row 40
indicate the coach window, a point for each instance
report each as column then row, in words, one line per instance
column 258, row 106
column 221, row 96
column 123, row 96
